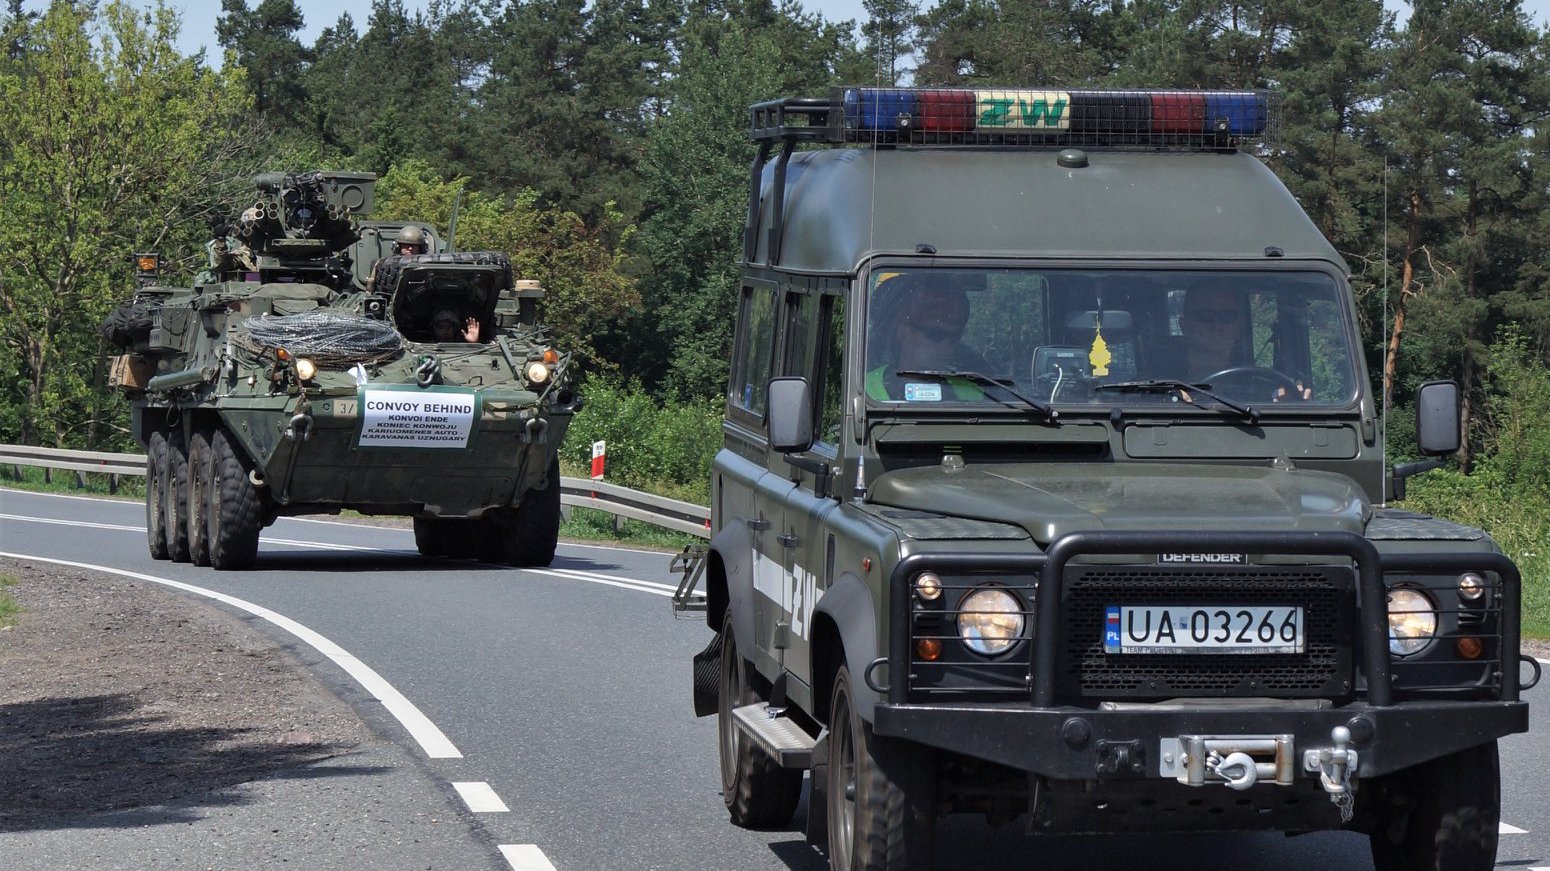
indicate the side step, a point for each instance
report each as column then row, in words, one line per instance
column 776, row 735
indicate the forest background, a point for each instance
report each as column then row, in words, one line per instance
column 604, row 144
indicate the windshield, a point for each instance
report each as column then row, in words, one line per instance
column 1108, row 337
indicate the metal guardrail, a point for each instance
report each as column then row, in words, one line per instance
column 685, row 517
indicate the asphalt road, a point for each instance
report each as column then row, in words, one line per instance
column 562, row 695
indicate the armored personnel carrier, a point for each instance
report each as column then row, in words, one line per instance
column 302, row 374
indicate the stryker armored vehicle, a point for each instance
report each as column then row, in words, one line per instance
column 302, row 374
column 1053, row 488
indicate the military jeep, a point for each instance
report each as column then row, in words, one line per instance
column 1053, row 489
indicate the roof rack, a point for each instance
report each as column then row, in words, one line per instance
column 1036, row 118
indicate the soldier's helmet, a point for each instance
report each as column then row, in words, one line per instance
column 410, row 240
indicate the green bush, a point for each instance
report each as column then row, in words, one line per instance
column 662, row 447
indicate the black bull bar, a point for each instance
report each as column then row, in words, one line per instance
column 1041, row 720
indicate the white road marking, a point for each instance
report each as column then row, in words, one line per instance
column 419, row 726
column 580, row 574
column 119, row 527
column 1509, row 829
column 480, row 797
column 598, row 579
column 526, row 857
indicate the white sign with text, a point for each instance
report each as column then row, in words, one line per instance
column 415, row 419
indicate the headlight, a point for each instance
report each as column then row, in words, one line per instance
column 1471, row 586
column 537, row 372
column 990, row 620
column 1412, row 621
column 305, row 369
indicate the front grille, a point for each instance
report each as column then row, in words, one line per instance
column 1323, row 670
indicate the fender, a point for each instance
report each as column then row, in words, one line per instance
column 848, row 604
column 733, row 543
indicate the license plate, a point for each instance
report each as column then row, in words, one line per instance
column 1151, row 629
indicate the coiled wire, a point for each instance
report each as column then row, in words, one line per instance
column 330, row 339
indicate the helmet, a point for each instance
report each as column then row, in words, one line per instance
column 410, row 236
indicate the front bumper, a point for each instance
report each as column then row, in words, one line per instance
column 1071, row 743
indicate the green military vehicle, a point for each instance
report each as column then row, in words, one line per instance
column 323, row 363
column 1053, row 488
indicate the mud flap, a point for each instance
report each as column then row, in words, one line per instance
column 707, row 678
column 818, row 794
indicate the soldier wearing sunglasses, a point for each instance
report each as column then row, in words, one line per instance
column 926, row 334
column 1218, row 338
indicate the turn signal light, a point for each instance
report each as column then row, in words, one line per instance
column 551, row 356
column 928, row 649
column 1470, row 647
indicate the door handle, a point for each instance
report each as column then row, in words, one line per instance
column 758, row 524
column 788, row 539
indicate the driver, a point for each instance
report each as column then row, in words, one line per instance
column 921, row 328
column 1218, row 336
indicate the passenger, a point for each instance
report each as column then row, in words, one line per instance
column 926, row 334
column 448, row 327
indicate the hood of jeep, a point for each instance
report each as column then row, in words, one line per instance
column 1054, row 499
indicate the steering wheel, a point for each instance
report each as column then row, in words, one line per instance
column 1251, row 375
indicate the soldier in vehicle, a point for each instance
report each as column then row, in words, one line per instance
column 448, row 327
column 920, row 326
column 410, row 240
column 1218, row 337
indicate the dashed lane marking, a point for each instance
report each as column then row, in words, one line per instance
column 480, row 797
column 624, row 584
column 419, row 726
column 1509, row 829
column 526, row 857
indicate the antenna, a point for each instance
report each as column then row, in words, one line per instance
column 1383, row 424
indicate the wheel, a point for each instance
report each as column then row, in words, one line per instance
column 880, row 793
column 1441, row 815
column 759, row 794
column 200, row 474
column 175, row 520
column 236, row 508
column 428, row 537
column 156, row 494
column 535, row 530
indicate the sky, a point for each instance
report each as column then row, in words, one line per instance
column 199, row 16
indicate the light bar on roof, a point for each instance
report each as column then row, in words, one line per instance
column 1051, row 116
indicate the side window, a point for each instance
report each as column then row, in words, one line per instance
column 756, row 349
column 829, row 381
column 801, row 311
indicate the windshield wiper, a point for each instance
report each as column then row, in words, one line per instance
column 1043, row 408
column 1163, row 385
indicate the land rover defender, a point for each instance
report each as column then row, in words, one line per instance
column 1053, row 488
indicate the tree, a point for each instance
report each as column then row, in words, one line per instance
column 263, row 40
column 111, row 146
column 1028, row 42
column 889, row 28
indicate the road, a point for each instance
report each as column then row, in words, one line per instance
column 563, row 695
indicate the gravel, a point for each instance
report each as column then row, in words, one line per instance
column 117, row 694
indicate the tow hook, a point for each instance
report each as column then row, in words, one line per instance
column 1335, row 766
column 1238, row 769
column 428, row 371
column 301, row 427
column 536, row 427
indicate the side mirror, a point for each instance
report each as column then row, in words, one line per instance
column 789, row 420
column 1437, row 419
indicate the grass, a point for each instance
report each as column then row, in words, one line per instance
column 39, row 479
column 8, row 606
column 589, row 524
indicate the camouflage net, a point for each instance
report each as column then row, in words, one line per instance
column 331, row 340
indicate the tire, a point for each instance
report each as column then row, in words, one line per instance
column 1442, row 815
column 175, row 520
column 535, row 530
column 236, row 508
column 428, row 537
column 758, row 793
column 156, row 494
column 880, row 793
column 200, row 481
